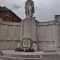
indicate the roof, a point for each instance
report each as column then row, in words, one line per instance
column 3, row 8
column 6, row 9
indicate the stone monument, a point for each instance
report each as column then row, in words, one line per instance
column 28, row 26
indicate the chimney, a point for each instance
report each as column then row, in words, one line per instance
column 57, row 18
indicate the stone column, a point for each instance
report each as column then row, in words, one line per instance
column 29, row 28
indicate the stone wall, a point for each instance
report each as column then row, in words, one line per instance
column 10, row 35
column 47, row 34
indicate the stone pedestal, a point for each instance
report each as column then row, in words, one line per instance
column 29, row 28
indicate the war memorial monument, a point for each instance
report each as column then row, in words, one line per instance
column 30, row 39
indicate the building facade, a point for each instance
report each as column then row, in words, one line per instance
column 7, row 15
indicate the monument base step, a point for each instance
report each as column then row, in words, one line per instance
column 15, row 58
column 39, row 55
column 12, row 55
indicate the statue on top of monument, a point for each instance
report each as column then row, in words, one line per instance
column 29, row 8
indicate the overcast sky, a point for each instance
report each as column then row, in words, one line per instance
column 44, row 9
